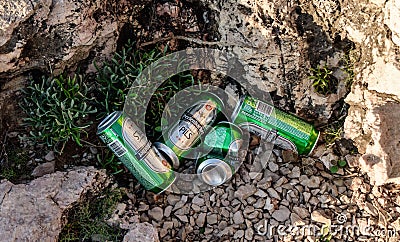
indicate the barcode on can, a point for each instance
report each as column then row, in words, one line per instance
column 118, row 149
column 264, row 108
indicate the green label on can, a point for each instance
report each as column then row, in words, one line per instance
column 265, row 117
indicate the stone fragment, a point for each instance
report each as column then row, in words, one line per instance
column 43, row 169
column 156, row 213
column 142, row 232
column 282, row 214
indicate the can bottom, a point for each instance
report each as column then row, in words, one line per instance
column 214, row 172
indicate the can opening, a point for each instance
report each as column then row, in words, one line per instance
column 214, row 174
column 168, row 154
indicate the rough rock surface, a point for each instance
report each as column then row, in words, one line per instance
column 36, row 211
column 375, row 98
column 278, row 44
column 142, row 232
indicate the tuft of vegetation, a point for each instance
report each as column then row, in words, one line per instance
column 340, row 164
column 87, row 223
column 108, row 161
column 332, row 134
column 116, row 78
column 323, row 81
column 14, row 165
column 348, row 67
column 57, row 110
column 325, row 234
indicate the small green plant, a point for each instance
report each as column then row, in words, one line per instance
column 340, row 164
column 14, row 164
column 323, row 80
column 326, row 234
column 88, row 220
column 57, row 110
column 108, row 161
column 348, row 67
column 332, row 134
column 115, row 81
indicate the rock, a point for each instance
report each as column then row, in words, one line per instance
column 245, row 191
column 198, row 201
column 375, row 95
column 57, row 30
column 312, row 182
column 261, row 193
column 295, row 173
column 272, row 193
column 43, row 169
column 320, row 217
column 49, row 156
column 238, row 217
column 156, row 213
column 212, row 219
column 302, row 212
column 273, row 166
column 182, row 218
column 282, row 214
column 201, row 219
column 296, row 220
column 35, row 211
column 142, row 232
column 289, row 156
column 238, row 234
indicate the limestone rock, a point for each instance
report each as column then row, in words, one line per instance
column 282, row 214
column 36, row 33
column 43, row 169
column 375, row 96
column 142, row 232
column 36, row 211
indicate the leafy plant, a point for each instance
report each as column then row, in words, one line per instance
column 116, row 78
column 88, row 221
column 323, row 80
column 348, row 67
column 332, row 134
column 57, row 110
column 15, row 164
column 108, row 161
column 340, row 164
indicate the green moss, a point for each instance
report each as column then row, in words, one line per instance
column 88, row 220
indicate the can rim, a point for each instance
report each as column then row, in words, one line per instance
column 237, row 108
column 108, row 121
column 215, row 162
column 169, row 152
column 315, row 144
column 218, row 99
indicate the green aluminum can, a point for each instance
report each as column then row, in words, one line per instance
column 224, row 155
column 272, row 124
column 193, row 123
column 136, row 152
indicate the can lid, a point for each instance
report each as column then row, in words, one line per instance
column 237, row 108
column 315, row 144
column 165, row 150
column 214, row 172
column 108, row 121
